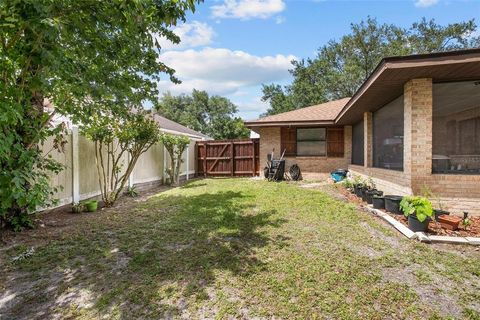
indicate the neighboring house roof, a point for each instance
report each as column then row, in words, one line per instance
column 388, row 79
column 170, row 126
column 324, row 113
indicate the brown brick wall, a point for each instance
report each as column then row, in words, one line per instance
column 270, row 138
column 389, row 181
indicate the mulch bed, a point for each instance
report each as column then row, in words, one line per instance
column 434, row 228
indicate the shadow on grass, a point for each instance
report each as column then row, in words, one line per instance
column 155, row 262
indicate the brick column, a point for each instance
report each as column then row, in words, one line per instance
column 269, row 140
column 347, row 133
column 368, row 139
column 417, row 152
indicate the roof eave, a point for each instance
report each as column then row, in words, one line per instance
column 255, row 124
column 412, row 61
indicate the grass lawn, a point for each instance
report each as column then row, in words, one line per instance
column 236, row 248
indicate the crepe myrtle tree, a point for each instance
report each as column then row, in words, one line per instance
column 175, row 146
column 67, row 57
column 116, row 136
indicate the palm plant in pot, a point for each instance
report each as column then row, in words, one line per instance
column 428, row 193
column 418, row 210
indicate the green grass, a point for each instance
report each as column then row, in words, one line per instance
column 241, row 248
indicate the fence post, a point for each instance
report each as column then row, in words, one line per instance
column 254, row 171
column 188, row 159
column 164, row 164
column 75, row 165
column 232, row 154
column 205, row 160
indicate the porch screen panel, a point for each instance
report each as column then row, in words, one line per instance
column 358, row 144
column 311, row 141
column 456, row 128
column 388, row 136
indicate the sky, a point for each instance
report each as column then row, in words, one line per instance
column 232, row 47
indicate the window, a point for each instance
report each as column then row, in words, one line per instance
column 311, row 141
column 388, row 136
column 358, row 144
column 456, row 128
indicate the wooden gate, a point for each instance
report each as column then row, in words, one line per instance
column 228, row 157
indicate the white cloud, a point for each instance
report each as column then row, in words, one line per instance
column 194, row 34
column 222, row 71
column 248, row 9
column 425, row 3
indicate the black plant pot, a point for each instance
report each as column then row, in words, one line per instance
column 364, row 194
column 358, row 190
column 417, row 226
column 378, row 202
column 438, row 213
column 371, row 193
column 392, row 204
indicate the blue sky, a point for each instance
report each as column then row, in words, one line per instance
column 231, row 47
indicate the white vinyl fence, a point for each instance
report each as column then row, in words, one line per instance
column 80, row 178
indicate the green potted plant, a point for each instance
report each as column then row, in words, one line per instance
column 77, row 207
column 358, row 185
column 428, row 193
column 418, row 210
column 91, row 205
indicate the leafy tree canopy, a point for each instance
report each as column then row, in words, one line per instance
column 340, row 67
column 211, row 115
column 81, row 56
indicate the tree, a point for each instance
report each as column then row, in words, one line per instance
column 175, row 146
column 340, row 67
column 76, row 56
column 211, row 115
column 115, row 136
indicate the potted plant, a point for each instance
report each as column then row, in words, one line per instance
column 348, row 184
column 369, row 194
column 358, row 185
column 392, row 203
column 427, row 192
column 77, row 207
column 378, row 202
column 418, row 210
column 91, row 205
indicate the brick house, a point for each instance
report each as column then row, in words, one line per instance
column 413, row 124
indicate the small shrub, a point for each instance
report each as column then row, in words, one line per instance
column 132, row 192
column 78, row 207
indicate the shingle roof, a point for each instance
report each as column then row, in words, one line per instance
column 324, row 112
column 168, row 124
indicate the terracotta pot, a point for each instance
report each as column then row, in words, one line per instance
column 449, row 222
column 438, row 213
